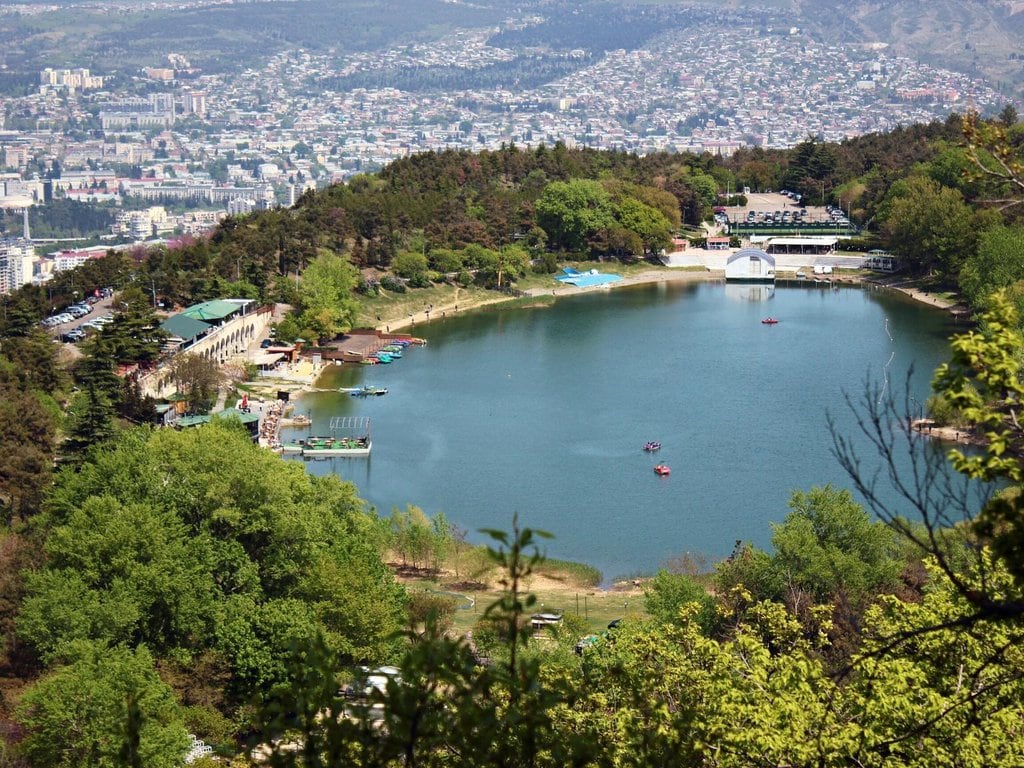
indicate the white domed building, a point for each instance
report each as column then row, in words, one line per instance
column 750, row 265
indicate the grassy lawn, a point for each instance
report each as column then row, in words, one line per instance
column 597, row 607
column 559, row 586
column 395, row 307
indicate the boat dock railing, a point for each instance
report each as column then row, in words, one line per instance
column 353, row 425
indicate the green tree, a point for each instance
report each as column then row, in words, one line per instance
column 648, row 223
column 998, row 263
column 572, row 211
column 198, row 541
column 705, row 190
column 983, row 382
column 27, row 441
column 81, row 714
column 409, row 264
column 325, row 295
column 90, row 420
column 827, row 548
column 997, row 161
column 667, row 593
column 445, row 260
column 129, row 571
column 135, row 335
column 500, row 268
column 929, row 226
column 828, row 545
column 33, row 358
column 197, row 378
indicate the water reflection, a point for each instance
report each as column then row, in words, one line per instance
column 749, row 292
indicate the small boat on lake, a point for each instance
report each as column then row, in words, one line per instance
column 769, row 321
column 367, row 391
column 662, row 469
column 652, row 445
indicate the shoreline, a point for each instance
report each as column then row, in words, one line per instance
column 650, row 277
column 301, row 385
column 664, row 275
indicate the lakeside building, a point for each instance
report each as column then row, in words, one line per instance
column 750, row 265
column 817, row 245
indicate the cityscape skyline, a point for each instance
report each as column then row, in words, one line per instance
column 238, row 142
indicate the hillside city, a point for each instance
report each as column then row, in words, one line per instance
column 200, row 146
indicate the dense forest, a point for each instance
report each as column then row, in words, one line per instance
column 159, row 583
column 60, row 218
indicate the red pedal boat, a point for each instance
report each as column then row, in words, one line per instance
column 662, row 469
column 769, row 321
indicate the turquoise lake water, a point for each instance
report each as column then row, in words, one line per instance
column 544, row 413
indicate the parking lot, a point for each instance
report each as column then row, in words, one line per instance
column 72, row 326
column 764, row 206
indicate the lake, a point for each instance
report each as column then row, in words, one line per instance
column 544, row 412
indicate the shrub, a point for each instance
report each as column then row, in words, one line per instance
column 425, row 605
column 419, row 280
column 943, row 412
column 409, row 264
column 545, row 264
column 368, row 287
column 393, row 284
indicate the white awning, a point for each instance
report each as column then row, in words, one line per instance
column 267, row 358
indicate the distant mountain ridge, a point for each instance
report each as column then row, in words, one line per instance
column 979, row 37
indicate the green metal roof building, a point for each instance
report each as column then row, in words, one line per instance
column 199, row 319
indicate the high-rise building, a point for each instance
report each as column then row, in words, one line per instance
column 72, row 79
column 16, row 156
column 17, row 258
column 138, row 113
column 195, row 103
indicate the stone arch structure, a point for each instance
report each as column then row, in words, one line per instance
column 222, row 343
